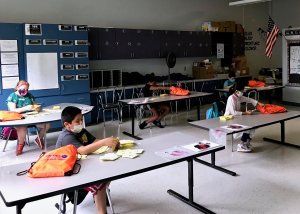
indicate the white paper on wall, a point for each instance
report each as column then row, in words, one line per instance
column 9, row 70
column 9, row 58
column 8, row 45
column 42, row 70
column 9, row 82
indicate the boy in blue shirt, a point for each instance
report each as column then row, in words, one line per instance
column 230, row 82
column 86, row 143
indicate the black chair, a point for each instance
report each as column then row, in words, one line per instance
column 103, row 105
column 248, row 93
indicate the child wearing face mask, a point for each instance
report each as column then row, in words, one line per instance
column 230, row 82
column 233, row 107
column 86, row 143
column 22, row 101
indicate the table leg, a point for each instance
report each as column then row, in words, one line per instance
column 282, row 140
column 132, row 112
column 190, row 200
column 19, row 208
column 75, row 201
column 214, row 166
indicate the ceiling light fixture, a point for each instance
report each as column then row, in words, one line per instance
column 245, row 2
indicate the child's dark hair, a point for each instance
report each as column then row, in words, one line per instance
column 69, row 113
column 151, row 78
column 231, row 74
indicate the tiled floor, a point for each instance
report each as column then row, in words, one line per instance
column 268, row 179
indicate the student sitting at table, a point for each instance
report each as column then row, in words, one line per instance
column 233, row 107
column 86, row 143
column 230, row 82
column 158, row 110
column 22, row 101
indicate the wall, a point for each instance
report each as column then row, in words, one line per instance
column 145, row 14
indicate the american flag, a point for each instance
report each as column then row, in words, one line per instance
column 272, row 34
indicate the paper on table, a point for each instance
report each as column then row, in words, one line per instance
column 109, row 157
column 174, row 153
column 192, row 146
column 133, row 102
column 101, row 150
column 234, row 127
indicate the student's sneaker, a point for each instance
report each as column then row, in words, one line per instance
column 143, row 125
column 242, row 147
column 40, row 142
column 19, row 150
column 158, row 124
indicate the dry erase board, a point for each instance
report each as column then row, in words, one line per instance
column 42, row 70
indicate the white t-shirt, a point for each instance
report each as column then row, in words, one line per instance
column 233, row 106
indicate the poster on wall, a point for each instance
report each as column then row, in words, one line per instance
column 220, row 50
column 8, row 45
column 9, row 58
column 9, row 70
column 294, row 59
column 9, row 82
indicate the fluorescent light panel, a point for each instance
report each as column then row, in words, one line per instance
column 245, row 2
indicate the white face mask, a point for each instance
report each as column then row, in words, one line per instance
column 77, row 128
column 239, row 94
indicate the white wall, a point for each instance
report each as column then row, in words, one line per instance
column 154, row 14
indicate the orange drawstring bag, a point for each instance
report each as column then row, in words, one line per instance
column 271, row 109
column 179, row 91
column 56, row 163
column 10, row 115
column 254, row 83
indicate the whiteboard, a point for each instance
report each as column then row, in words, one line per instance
column 42, row 70
column 294, row 59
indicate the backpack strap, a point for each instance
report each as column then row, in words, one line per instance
column 32, row 164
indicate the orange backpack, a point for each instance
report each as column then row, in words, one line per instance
column 254, row 83
column 271, row 109
column 10, row 115
column 58, row 162
column 178, row 91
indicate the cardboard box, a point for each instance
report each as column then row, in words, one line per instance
column 227, row 26
column 244, row 71
column 210, row 26
column 240, row 62
column 206, row 72
column 239, row 28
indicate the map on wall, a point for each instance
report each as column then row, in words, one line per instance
column 294, row 59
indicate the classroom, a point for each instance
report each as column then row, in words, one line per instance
column 161, row 106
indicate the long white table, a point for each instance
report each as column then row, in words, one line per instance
column 159, row 99
column 47, row 115
column 254, row 121
column 33, row 189
column 259, row 89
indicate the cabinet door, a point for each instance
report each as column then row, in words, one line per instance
column 94, row 43
column 223, row 37
column 146, row 44
column 171, row 42
column 125, row 40
column 238, row 44
column 108, row 44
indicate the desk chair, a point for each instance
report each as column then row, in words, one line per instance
column 103, row 105
column 62, row 205
column 248, row 94
column 187, row 102
column 27, row 142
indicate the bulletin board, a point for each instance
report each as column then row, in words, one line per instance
column 294, row 58
column 42, row 70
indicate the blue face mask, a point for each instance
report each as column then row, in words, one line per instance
column 232, row 81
